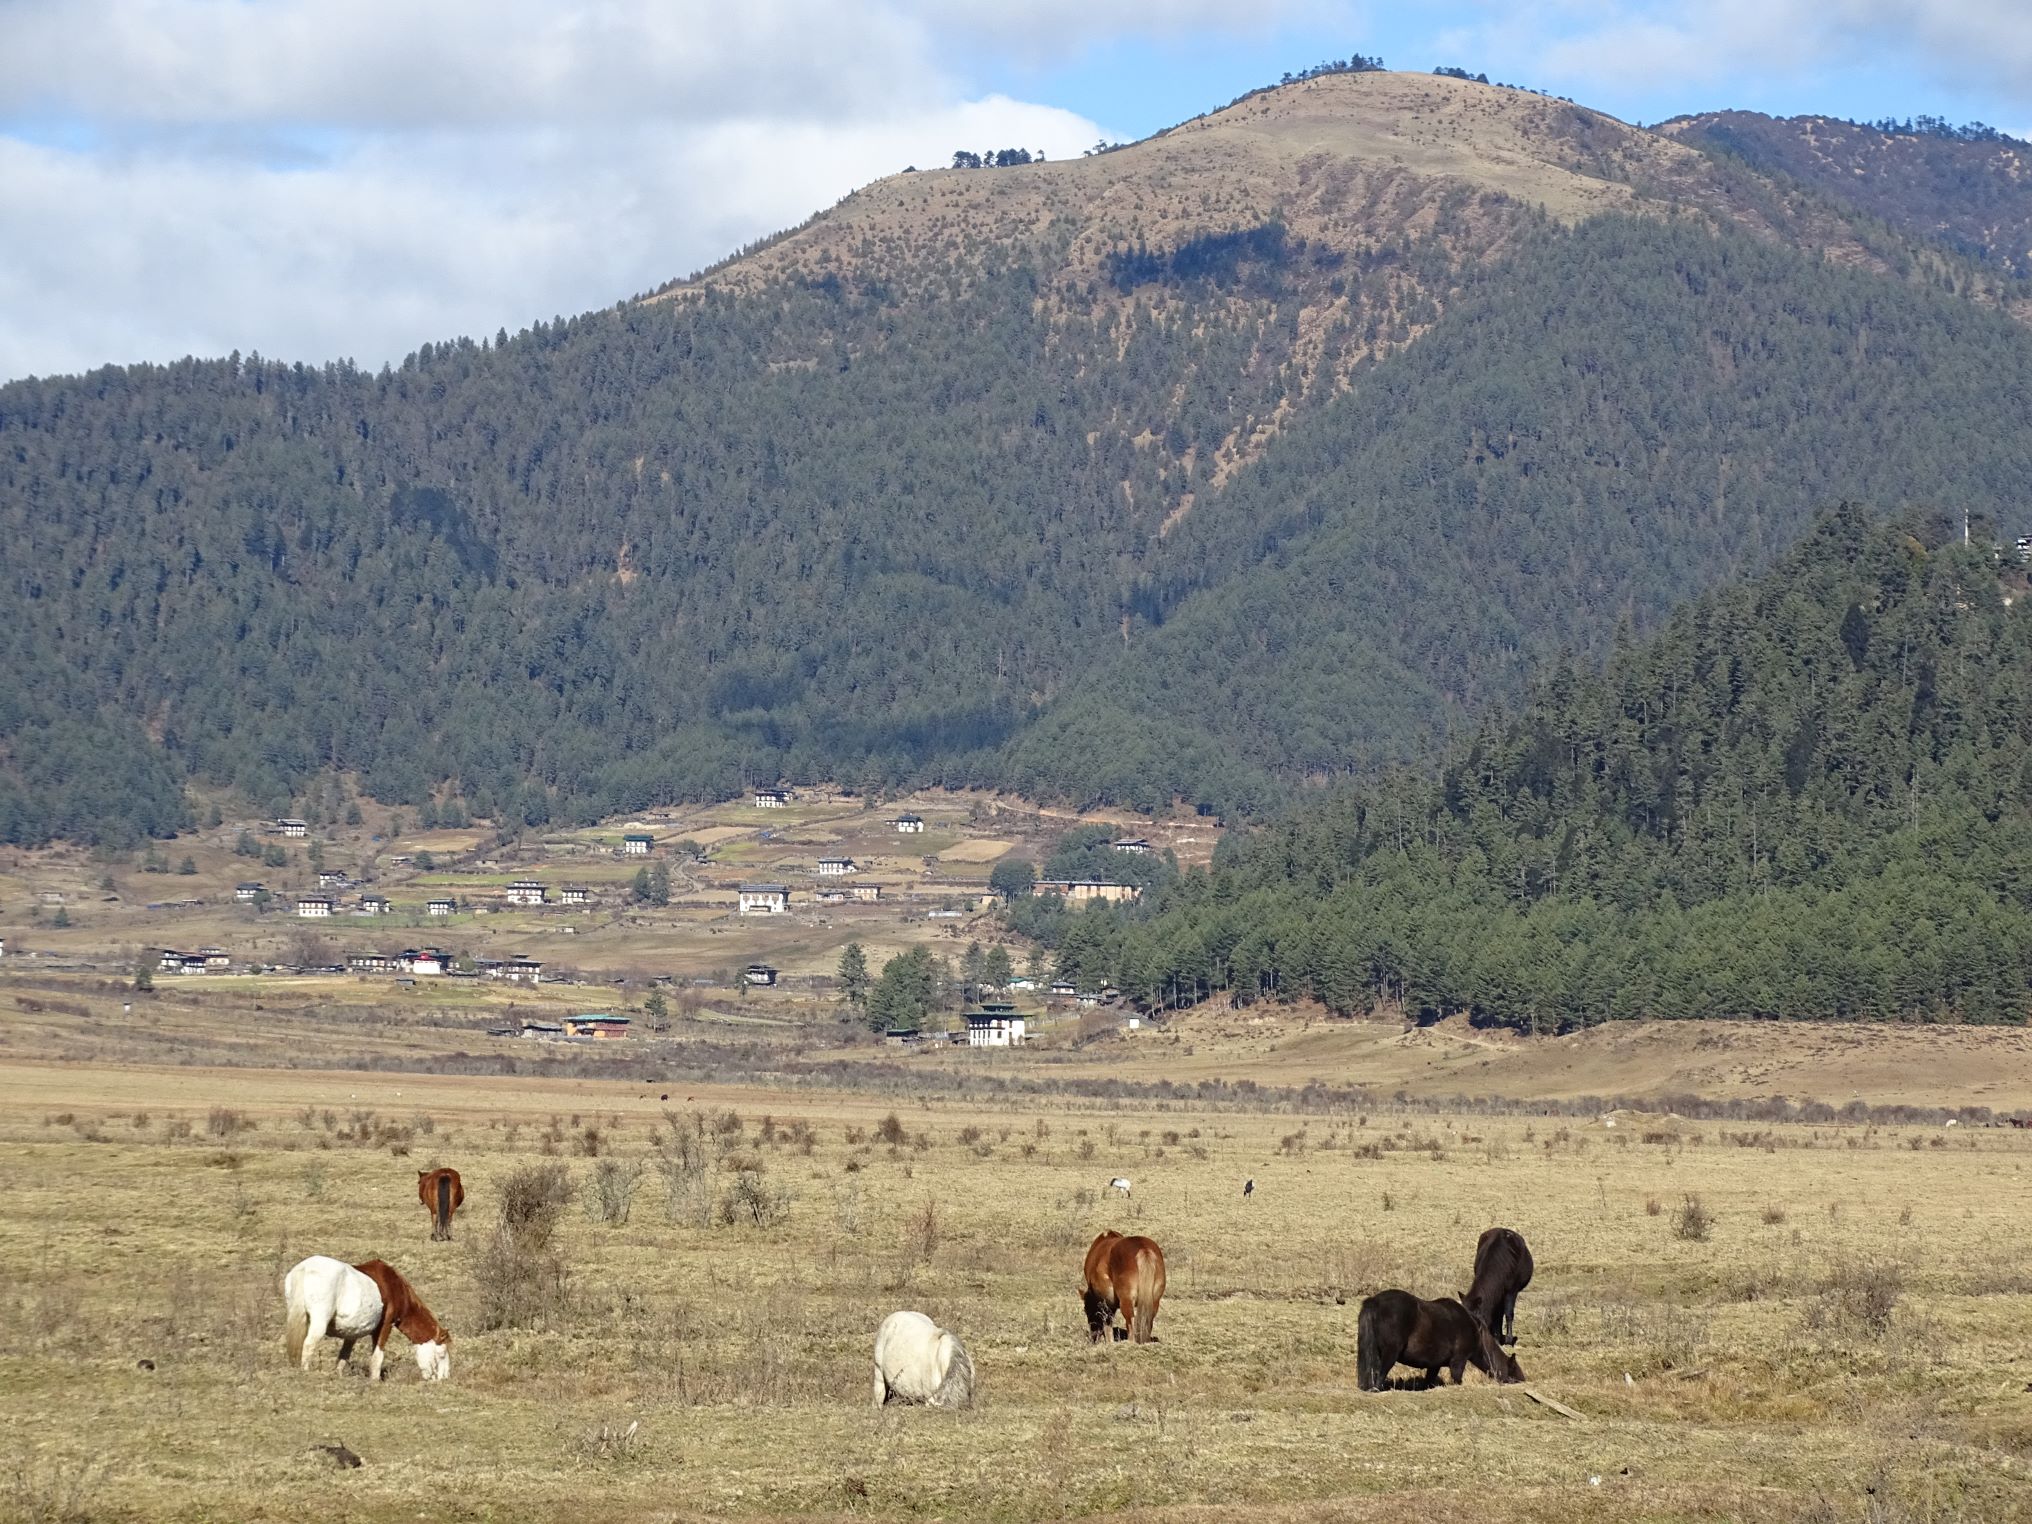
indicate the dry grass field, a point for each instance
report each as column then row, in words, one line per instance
column 1844, row 1335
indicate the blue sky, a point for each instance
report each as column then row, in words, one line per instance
column 316, row 179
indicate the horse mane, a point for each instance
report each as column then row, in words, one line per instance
column 401, row 1305
column 1496, row 1362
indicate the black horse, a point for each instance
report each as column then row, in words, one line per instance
column 1397, row 1328
column 1502, row 1269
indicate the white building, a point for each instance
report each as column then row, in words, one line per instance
column 373, row 904
column 293, row 827
column 994, row 1026
column 247, row 894
column 575, row 894
column 315, row 907
column 771, row 798
column 636, row 844
column 908, row 825
column 522, row 971
column 835, row 867
column 438, row 907
column 526, row 891
column 765, row 899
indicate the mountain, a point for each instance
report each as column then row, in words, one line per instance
column 1808, row 795
column 1272, row 448
column 1968, row 187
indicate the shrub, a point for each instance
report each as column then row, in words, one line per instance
column 1692, row 1221
column 1858, row 1298
column 533, row 1198
column 610, row 1193
column 520, row 1275
column 890, row 1131
column 750, row 1199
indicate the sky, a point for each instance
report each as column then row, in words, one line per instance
column 324, row 179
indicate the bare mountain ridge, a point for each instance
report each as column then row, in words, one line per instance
column 1356, row 162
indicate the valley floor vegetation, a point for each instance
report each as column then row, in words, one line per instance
column 664, row 1307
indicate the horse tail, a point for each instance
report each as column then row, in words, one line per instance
column 444, row 1205
column 957, row 1389
column 298, row 1329
column 1369, row 1367
column 1149, row 1274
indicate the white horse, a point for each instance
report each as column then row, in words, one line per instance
column 328, row 1298
column 917, row 1361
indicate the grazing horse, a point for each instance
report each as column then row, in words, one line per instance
column 917, row 1361
column 442, row 1194
column 1397, row 1328
column 1502, row 1269
column 1125, row 1274
column 328, row 1298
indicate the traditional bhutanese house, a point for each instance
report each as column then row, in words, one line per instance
column 194, row 963
column 293, row 827
column 522, row 971
column 543, row 1031
column 771, row 798
column 171, row 962
column 439, row 907
column 902, row 1037
column 331, row 878
column 372, row 963
column 247, row 894
column 760, row 974
column 836, row 867
column 489, row 968
column 764, row 899
column 1025, row 982
column 373, row 904
column 1063, row 989
column 423, row 960
column 867, row 894
column 908, row 825
column 525, row 891
column 1080, row 891
column 636, row 844
column 832, row 894
column 217, row 960
column 575, row 894
column 1135, row 844
column 994, row 1026
column 314, row 907
column 596, row 1024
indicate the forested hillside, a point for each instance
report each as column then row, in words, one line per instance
column 1807, row 796
column 1270, row 449
column 1970, row 187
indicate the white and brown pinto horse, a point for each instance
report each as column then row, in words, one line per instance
column 330, row 1299
column 917, row 1361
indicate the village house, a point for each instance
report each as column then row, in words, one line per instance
column 543, row 1031
column 771, row 798
column 575, row 894
column 1135, row 844
column 371, row 963
column 293, row 828
column 835, row 867
column 247, row 894
column 315, row 907
column 902, row 1037
column 832, row 894
column 174, row 962
column 1063, row 989
column 1081, row 891
column 764, row 899
column 597, row 1025
column 759, row 974
column 2025, row 549
column 1025, row 982
column 525, row 891
column 994, row 1025
column 331, row 878
column 636, row 844
column 867, row 894
column 439, row 906
column 522, row 971
column 424, row 960
column 373, row 904
column 908, row 825
column 217, row 960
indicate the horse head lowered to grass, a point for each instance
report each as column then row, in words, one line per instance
column 1125, row 1274
column 1397, row 1328
column 917, row 1361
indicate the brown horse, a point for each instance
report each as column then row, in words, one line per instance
column 1395, row 1327
column 402, row 1308
column 1503, row 1268
column 441, row 1194
column 1125, row 1274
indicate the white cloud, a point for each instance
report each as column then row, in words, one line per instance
column 1623, row 45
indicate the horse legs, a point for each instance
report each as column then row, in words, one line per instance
column 1510, row 1318
column 345, row 1352
column 1128, row 1306
column 881, row 1387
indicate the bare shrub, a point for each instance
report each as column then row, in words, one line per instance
column 684, row 1165
column 751, row 1199
column 224, row 1122
column 521, row 1276
column 970, row 1135
column 1692, row 1221
column 921, row 1234
column 1773, row 1214
column 610, row 1191
column 1857, row 1299
column 1653, row 1206
column 890, row 1130
column 533, row 1198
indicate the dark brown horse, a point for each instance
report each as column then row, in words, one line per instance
column 1397, row 1328
column 1502, row 1269
column 1125, row 1274
column 441, row 1194
column 402, row 1308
